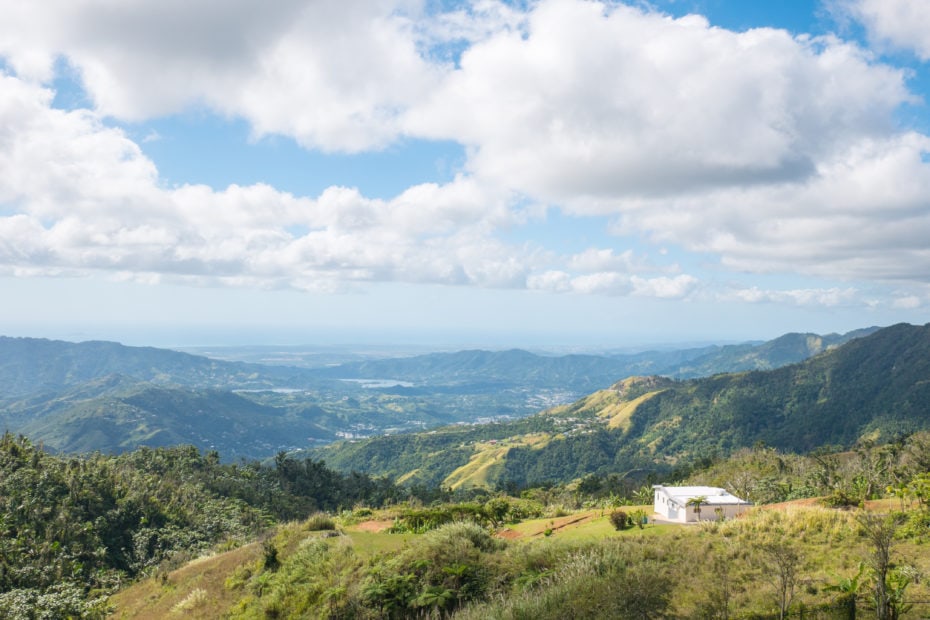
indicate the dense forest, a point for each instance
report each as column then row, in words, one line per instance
column 75, row 527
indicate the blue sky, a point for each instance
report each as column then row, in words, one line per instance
column 560, row 172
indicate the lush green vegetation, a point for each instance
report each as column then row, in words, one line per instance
column 872, row 388
column 74, row 528
column 814, row 561
column 553, row 528
column 88, row 396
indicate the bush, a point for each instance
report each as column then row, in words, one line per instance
column 419, row 521
column 620, row 520
column 604, row 581
column 841, row 498
column 270, row 559
column 319, row 521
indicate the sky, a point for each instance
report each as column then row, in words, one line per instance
column 551, row 172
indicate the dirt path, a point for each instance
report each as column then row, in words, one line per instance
column 374, row 526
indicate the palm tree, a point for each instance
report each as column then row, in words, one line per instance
column 697, row 501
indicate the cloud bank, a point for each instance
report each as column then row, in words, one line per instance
column 757, row 151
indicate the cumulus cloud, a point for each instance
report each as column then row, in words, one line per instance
column 759, row 151
column 902, row 24
column 600, row 102
column 331, row 75
column 864, row 215
column 78, row 195
column 770, row 152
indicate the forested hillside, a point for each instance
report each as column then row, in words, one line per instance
column 116, row 414
column 584, row 551
column 73, row 528
column 782, row 351
column 875, row 387
column 104, row 396
column 36, row 365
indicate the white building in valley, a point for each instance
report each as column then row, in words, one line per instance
column 689, row 504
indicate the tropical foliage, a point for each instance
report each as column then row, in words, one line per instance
column 72, row 528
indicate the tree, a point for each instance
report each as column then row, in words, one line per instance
column 697, row 502
column 887, row 585
column 782, row 558
column 644, row 495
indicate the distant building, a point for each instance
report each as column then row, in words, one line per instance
column 677, row 503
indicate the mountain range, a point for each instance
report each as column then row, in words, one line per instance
column 872, row 388
column 104, row 396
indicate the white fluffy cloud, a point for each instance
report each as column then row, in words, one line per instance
column 331, row 75
column 801, row 297
column 864, row 214
column 903, row 24
column 605, row 102
column 759, row 150
column 767, row 151
column 79, row 196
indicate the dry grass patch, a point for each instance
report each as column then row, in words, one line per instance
column 196, row 590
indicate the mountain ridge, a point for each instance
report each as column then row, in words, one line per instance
column 870, row 388
column 89, row 396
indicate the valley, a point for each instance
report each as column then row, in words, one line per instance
column 152, row 484
column 105, row 396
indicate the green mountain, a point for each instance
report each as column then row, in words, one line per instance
column 873, row 387
column 31, row 365
column 106, row 396
column 489, row 369
column 482, row 370
column 782, row 351
column 117, row 413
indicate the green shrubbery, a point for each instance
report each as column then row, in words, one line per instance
column 421, row 520
column 319, row 521
column 620, row 520
column 84, row 524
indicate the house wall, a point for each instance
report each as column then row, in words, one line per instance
column 668, row 509
column 709, row 512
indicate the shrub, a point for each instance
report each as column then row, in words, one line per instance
column 841, row 498
column 419, row 521
column 270, row 560
column 319, row 521
column 620, row 520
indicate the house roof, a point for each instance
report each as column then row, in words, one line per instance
column 714, row 496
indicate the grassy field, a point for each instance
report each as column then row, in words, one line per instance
column 489, row 457
column 830, row 544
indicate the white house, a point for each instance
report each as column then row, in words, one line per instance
column 672, row 503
